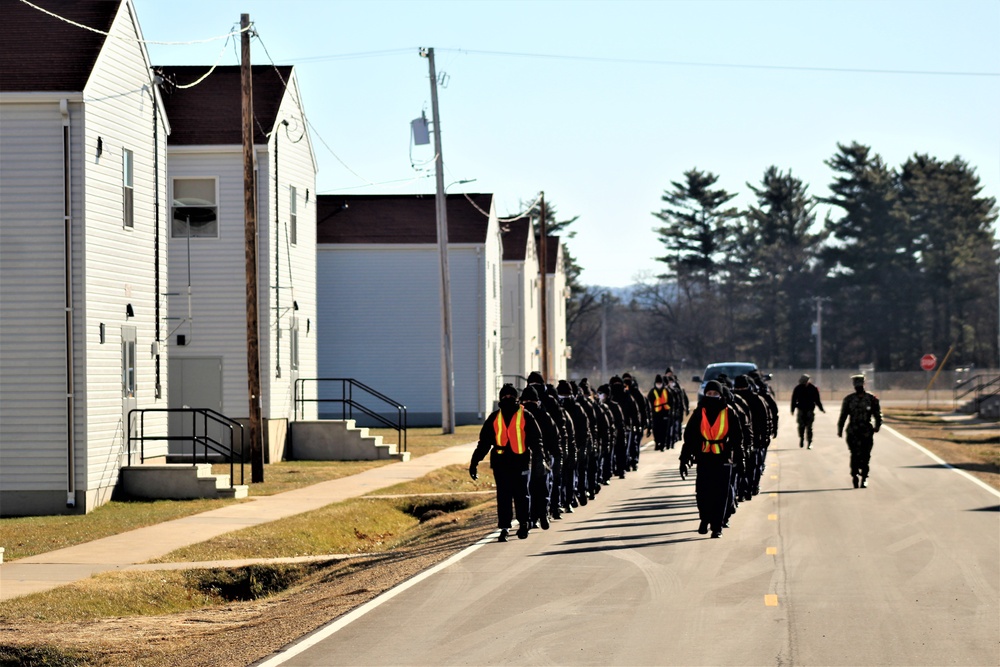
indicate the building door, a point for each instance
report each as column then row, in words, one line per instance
column 129, row 383
column 194, row 383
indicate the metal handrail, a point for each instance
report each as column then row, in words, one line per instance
column 978, row 385
column 349, row 404
column 207, row 442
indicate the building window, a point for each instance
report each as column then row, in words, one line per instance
column 293, row 352
column 128, row 205
column 195, row 211
column 293, row 215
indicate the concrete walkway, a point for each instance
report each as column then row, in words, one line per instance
column 119, row 552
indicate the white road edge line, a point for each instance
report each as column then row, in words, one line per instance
column 941, row 461
column 326, row 631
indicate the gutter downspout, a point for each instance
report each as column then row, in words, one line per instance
column 277, row 266
column 68, row 289
column 158, row 389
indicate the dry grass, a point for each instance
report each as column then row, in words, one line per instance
column 965, row 443
column 450, row 479
column 425, row 440
column 28, row 536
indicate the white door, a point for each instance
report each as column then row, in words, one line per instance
column 129, row 383
column 195, row 382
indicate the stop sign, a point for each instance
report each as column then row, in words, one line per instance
column 928, row 362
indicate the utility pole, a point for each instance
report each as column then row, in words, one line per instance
column 604, row 335
column 819, row 339
column 543, row 300
column 250, row 247
column 441, row 202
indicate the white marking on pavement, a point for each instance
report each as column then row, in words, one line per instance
column 941, row 461
column 342, row 622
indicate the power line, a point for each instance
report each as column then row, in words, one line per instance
column 302, row 111
column 130, row 39
column 683, row 63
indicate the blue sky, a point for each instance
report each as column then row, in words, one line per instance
column 627, row 97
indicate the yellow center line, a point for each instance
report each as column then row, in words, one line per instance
column 772, row 517
column 774, row 495
column 774, row 477
column 771, row 600
column 772, row 551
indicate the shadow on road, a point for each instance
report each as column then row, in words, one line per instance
column 972, row 467
column 615, row 543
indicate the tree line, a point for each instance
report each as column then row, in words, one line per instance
column 904, row 263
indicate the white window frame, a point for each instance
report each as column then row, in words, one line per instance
column 218, row 216
column 293, row 215
column 128, row 189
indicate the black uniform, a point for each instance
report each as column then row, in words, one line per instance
column 510, row 467
column 714, row 444
column 805, row 399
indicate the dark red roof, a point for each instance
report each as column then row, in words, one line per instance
column 515, row 239
column 39, row 52
column 398, row 219
column 552, row 253
column 211, row 113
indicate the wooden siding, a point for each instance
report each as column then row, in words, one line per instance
column 118, row 263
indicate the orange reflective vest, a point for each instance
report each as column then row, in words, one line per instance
column 713, row 435
column 660, row 400
column 511, row 434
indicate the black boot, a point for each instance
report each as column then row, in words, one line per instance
column 703, row 528
column 503, row 535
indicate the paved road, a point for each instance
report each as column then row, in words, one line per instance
column 812, row 572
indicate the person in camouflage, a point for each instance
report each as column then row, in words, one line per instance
column 862, row 408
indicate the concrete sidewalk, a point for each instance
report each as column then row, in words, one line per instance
column 118, row 552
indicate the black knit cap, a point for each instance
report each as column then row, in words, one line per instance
column 742, row 382
column 585, row 385
column 534, row 377
column 658, row 379
column 507, row 390
column 529, row 394
column 604, row 389
column 713, row 384
column 564, row 389
column 615, row 380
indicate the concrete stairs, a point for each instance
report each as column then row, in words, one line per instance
column 177, row 481
column 338, row 440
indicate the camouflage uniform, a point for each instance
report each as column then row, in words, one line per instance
column 861, row 407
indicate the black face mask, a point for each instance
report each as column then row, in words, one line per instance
column 508, row 402
column 859, row 388
column 712, row 401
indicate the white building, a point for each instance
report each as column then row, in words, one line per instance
column 521, row 313
column 208, row 341
column 83, row 252
column 380, row 304
column 558, row 295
